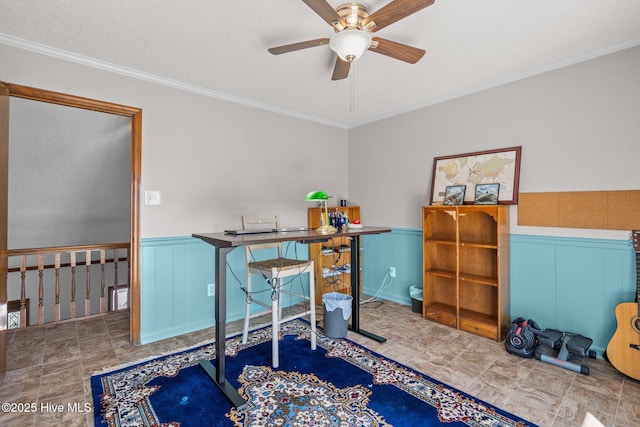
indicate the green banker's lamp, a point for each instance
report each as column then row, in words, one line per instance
column 321, row 196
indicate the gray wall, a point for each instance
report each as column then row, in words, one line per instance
column 215, row 160
column 578, row 126
column 69, row 176
column 212, row 160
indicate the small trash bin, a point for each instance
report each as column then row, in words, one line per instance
column 416, row 299
column 337, row 310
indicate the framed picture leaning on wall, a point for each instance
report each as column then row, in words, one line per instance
column 501, row 166
column 487, row 194
column 454, row 194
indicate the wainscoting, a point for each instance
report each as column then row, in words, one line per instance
column 402, row 249
column 174, row 277
column 564, row 283
column 572, row 284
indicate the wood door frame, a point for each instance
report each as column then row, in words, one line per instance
column 9, row 89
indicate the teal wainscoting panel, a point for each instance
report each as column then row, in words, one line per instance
column 402, row 249
column 174, row 277
column 572, row 284
column 532, row 280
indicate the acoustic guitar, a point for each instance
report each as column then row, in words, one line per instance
column 623, row 350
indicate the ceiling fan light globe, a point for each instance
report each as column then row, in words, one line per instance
column 350, row 44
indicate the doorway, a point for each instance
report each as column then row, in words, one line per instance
column 8, row 90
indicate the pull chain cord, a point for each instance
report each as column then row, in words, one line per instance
column 352, row 89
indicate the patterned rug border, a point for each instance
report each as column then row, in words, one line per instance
column 452, row 404
column 127, row 365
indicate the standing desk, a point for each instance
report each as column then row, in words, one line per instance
column 225, row 243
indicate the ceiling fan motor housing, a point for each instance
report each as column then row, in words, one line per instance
column 351, row 41
column 353, row 14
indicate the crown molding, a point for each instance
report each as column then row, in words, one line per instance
column 152, row 78
column 502, row 81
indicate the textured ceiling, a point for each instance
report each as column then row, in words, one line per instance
column 220, row 47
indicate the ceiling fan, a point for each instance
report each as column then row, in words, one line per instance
column 353, row 25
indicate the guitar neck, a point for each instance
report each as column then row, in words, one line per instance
column 636, row 245
column 638, row 281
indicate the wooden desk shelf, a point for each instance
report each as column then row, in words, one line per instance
column 331, row 256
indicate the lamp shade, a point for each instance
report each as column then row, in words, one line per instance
column 322, row 197
column 350, row 44
column 316, row 196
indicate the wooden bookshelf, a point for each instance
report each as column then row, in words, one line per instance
column 466, row 268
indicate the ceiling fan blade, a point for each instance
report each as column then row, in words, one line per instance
column 341, row 70
column 397, row 50
column 298, row 46
column 326, row 12
column 394, row 11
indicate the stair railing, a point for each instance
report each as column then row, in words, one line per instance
column 56, row 280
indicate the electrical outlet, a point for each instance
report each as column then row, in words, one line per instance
column 211, row 289
column 392, row 272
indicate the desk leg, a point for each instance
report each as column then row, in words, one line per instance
column 355, row 291
column 217, row 373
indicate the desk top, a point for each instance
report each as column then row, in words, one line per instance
column 223, row 240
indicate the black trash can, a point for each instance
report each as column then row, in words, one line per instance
column 416, row 299
column 337, row 311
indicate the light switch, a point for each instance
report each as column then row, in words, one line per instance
column 151, row 197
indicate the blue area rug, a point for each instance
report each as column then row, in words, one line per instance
column 339, row 384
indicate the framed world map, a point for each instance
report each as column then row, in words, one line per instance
column 501, row 166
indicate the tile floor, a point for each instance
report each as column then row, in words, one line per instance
column 51, row 365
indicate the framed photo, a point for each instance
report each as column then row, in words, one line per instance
column 454, row 194
column 487, row 194
column 501, row 166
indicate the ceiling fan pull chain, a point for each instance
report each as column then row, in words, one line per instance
column 352, row 90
